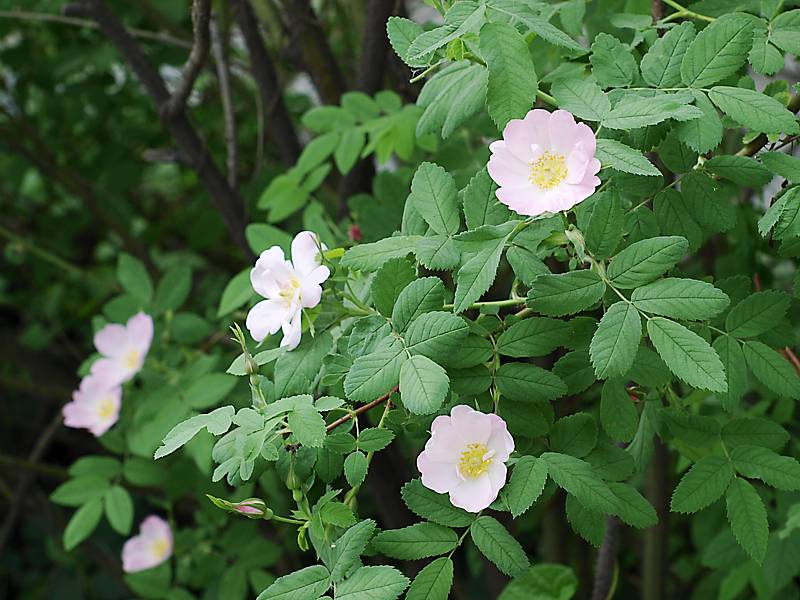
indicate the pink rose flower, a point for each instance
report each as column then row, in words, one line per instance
column 289, row 286
column 545, row 163
column 123, row 347
column 465, row 457
column 150, row 548
column 95, row 405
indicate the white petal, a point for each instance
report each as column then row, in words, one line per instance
column 473, row 495
column 270, row 273
column 292, row 331
column 265, row 318
column 305, row 252
column 110, row 340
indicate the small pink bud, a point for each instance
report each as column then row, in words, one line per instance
column 252, row 508
column 354, row 233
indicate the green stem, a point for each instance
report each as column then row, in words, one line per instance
column 41, row 253
column 547, row 98
column 287, row 520
column 684, row 12
column 497, row 303
column 349, row 499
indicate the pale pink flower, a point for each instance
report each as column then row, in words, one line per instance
column 95, row 405
column 150, row 548
column 545, row 163
column 289, row 286
column 123, row 348
column 465, row 457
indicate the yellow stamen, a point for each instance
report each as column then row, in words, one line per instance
column 548, row 170
column 474, row 461
column 106, row 408
column 288, row 293
column 160, row 548
column 131, row 360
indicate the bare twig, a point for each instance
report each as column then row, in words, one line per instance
column 36, row 453
column 219, row 48
column 361, row 409
column 282, row 130
column 655, row 559
column 226, row 200
column 657, row 10
column 201, row 15
column 606, row 561
column 24, row 15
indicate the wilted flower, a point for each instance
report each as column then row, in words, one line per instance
column 465, row 457
column 545, row 163
column 150, row 548
column 289, row 286
column 124, row 348
column 95, row 405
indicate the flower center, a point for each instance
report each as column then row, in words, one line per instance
column 131, row 360
column 288, row 293
column 160, row 548
column 548, row 170
column 474, row 461
column 106, row 408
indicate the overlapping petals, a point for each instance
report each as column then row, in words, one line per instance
column 150, row 548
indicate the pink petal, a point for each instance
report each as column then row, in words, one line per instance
column 472, row 426
column 473, row 495
column 533, row 129
column 439, row 476
column 506, row 169
column 110, row 339
column 500, row 440
column 523, row 200
column 140, row 332
column 577, row 163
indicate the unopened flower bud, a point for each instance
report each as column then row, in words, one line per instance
column 252, row 508
column 354, row 232
column 250, row 365
column 297, row 495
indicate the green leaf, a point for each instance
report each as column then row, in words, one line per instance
column 433, row 582
column 780, row 472
column 133, row 277
column 718, row 50
column 782, row 164
column 765, row 58
column 635, row 111
column 680, row 299
column 423, row 385
column 754, row 110
column 345, row 552
column 620, row 157
column 415, row 541
column 588, row 524
column 173, row 289
column 435, row 334
column 310, row 582
column 542, row 582
column 371, row 583
column 375, row 374
column 687, row 355
column 785, row 31
column 434, row 196
column 82, row 523
column 208, row 390
column 370, row 257
column 661, row 66
column 771, row 369
column 579, row 479
column 104, row 467
column 496, row 544
column 754, row 431
column 705, row 133
column 566, row 293
column 574, row 434
column 605, row 229
column 748, row 518
column 481, row 206
column 702, row 485
column 675, row 216
column 476, row 276
column 643, row 261
column 616, row 341
column 732, row 357
column 418, row 297
column 757, row 314
column 236, row 293
column 351, row 143
column 512, row 77
column 451, row 97
column 389, row 281
column 373, row 439
column 742, row 170
column 618, row 415
column 527, row 483
column 308, row 426
column 533, row 337
column 216, row 422
column 632, row 507
column 613, row 64
column 119, row 509
column 583, row 98
column 461, row 18
column 533, row 21
column 438, row 253
column 355, row 468
column 528, row 383
column 80, row 490
column 435, row 507
column 401, row 33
